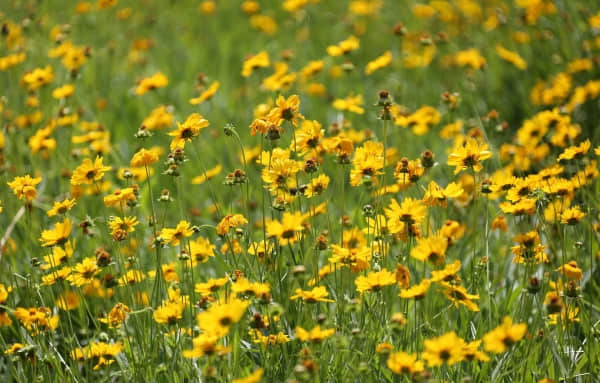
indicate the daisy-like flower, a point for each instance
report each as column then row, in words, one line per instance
column 205, row 344
column 84, row 272
column 367, row 163
column 120, row 196
column 188, row 130
column 230, row 221
column 316, row 335
column 417, row 291
column 571, row 216
column 57, row 235
column 432, row 249
column 351, row 103
column 574, row 152
column 61, row 207
column 469, row 156
column 144, row 157
column 207, row 175
column 318, row 294
column 169, row 312
column 411, row 211
column 24, row 187
column 255, row 377
column 380, row 62
column 285, row 110
column 472, row 352
column 120, row 227
column 374, row 281
column 504, row 336
column 174, row 236
column 157, row 80
column 571, row 270
column 4, row 318
column 101, row 353
column 219, row 318
column 344, row 47
column 435, row 195
column 317, row 186
column 446, row 349
column 89, row 172
column 403, row 363
column 206, row 94
column 116, row 316
column 36, row 319
column 211, row 286
column 288, row 229
column 459, row 295
column 259, row 60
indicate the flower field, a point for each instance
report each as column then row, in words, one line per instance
column 300, row 191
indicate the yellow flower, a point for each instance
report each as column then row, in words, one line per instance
column 344, row 47
column 446, row 349
column 69, row 300
column 89, row 172
column 318, row 294
column 285, row 110
column 403, row 363
column 260, row 60
column 144, row 157
column 120, row 196
column 157, row 80
column 511, row 57
column 458, row 294
column 207, row 288
column 472, row 352
column 288, row 230
column 571, row 270
column 469, row 155
column 83, row 273
column 206, row 344
column 417, row 291
column 255, row 377
column 571, row 216
column 58, row 235
column 24, row 187
column 209, row 174
column 380, row 62
column 218, row 318
column 432, row 249
column 316, row 335
column 206, row 95
column 188, row 130
column 374, row 281
column 36, row 318
column 502, row 337
column 351, row 103
column 169, row 313
column 63, row 91
column 411, row 211
column 116, row 316
column 230, row 221
column 174, row 236
column 61, row 207
column 38, row 77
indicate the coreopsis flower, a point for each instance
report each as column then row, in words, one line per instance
column 446, row 349
column 568, row 315
column 161, row 117
column 574, row 152
column 459, row 295
column 374, row 281
column 504, row 336
column 200, row 250
column 89, row 172
column 571, row 270
column 317, row 186
column 230, row 221
column 344, row 47
column 207, row 175
column 36, row 319
column 308, row 136
column 367, row 162
column 132, row 277
column 447, row 274
column 68, row 300
column 56, row 276
column 472, row 352
column 571, row 216
column 206, row 94
column 4, row 318
column 38, row 77
column 469, row 155
column 84, row 272
column 157, row 80
column 432, row 249
column 174, row 236
column 116, row 316
column 411, row 211
column 169, row 312
column 255, row 377
column 24, row 187
column 211, row 286
column 436, row 196
column 219, row 317
column 279, row 172
column 188, row 130
column 61, row 207
column 318, row 294
column 512, row 57
column 121, row 227
column 316, row 335
column 101, row 353
column 357, row 258
column 417, row 291
column 403, row 363
column 285, row 110
column 260, row 60
column 261, row 249
column 120, row 197
column 144, row 157
column 206, row 344
column 57, row 235
column 380, row 62
column 402, row 276
column 286, row 230
column 351, row 103
column 63, row 91
column 470, row 58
